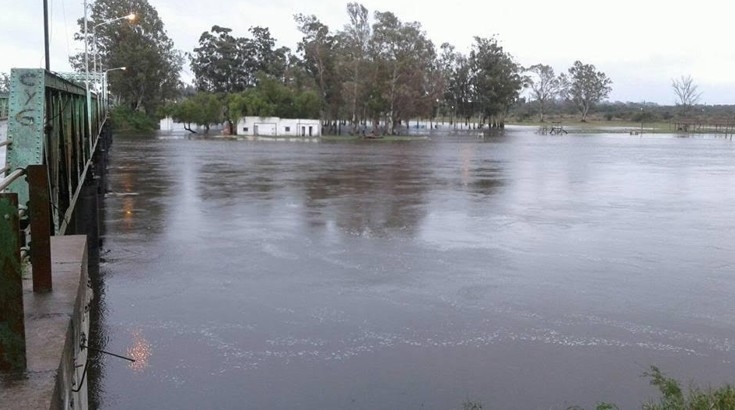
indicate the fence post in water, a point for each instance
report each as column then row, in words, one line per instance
column 39, row 207
column 12, row 326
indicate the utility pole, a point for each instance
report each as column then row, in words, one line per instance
column 45, row 33
column 86, row 79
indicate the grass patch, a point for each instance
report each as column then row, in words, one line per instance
column 128, row 121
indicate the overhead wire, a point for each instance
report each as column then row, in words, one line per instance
column 66, row 29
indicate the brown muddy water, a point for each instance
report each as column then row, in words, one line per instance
column 520, row 271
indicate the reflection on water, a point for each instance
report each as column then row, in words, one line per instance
column 140, row 351
column 522, row 271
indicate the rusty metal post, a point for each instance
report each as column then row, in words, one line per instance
column 12, row 325
column 40, row 211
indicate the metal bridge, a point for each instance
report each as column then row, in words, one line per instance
column 53, row 141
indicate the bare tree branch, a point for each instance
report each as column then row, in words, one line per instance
column 686, row 91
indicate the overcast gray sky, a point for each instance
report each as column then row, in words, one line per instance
column 640, row 44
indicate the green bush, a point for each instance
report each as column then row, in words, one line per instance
column 674, row 398
column 128, row 121
column 643, row 116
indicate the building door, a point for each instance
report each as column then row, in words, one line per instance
column 310, row 128
column 303, row 131
column 255, row 130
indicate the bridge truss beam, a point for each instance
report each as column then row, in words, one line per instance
column 47, row 125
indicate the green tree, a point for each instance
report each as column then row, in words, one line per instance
column 224, row 63
column 353, row 42
column 306, row 104
column 265, row 57
column 153, row 65
column 248, row 103
column 545, row 85
column 496, row 80
column 218, row 63
column 406, row 61
column 318, row 50
column 202, row 109
column 445, row 63
column 587, row 87
column 458, row 92
column 272, row 98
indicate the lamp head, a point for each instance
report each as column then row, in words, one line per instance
column 131, row 17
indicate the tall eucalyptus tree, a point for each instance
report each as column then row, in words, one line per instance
column 318, row 59
column 545, row 85
column 353, row 42
column 406, row 58
column 495, row 78
column 142, row 46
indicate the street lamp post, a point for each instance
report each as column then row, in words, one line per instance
column 129, row 17
column 104, row 82
column 86, row 76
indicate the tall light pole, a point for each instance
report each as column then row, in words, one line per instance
column 104, row 82
column 86, row 76
column 129, row 17
column 45, row 34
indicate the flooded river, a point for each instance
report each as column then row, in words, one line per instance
column 521, row 271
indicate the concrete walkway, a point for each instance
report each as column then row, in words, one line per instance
column 53, row 321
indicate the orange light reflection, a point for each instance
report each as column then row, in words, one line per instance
column 140, row 351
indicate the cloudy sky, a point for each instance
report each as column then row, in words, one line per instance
column 640, row 44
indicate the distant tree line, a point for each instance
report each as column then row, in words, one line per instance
column 557, row 96
column 376, row 71
column 526, row 110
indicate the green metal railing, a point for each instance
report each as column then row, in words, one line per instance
column 48, row 125
column 52, row 137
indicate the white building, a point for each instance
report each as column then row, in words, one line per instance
column 168, row 125
column 279, row 127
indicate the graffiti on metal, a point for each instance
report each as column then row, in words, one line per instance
column 25, row 125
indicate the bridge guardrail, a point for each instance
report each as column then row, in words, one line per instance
column 52, row 138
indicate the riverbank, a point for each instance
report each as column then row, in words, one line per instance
column 323, row 138
column 623, row 127
column 632, row 128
